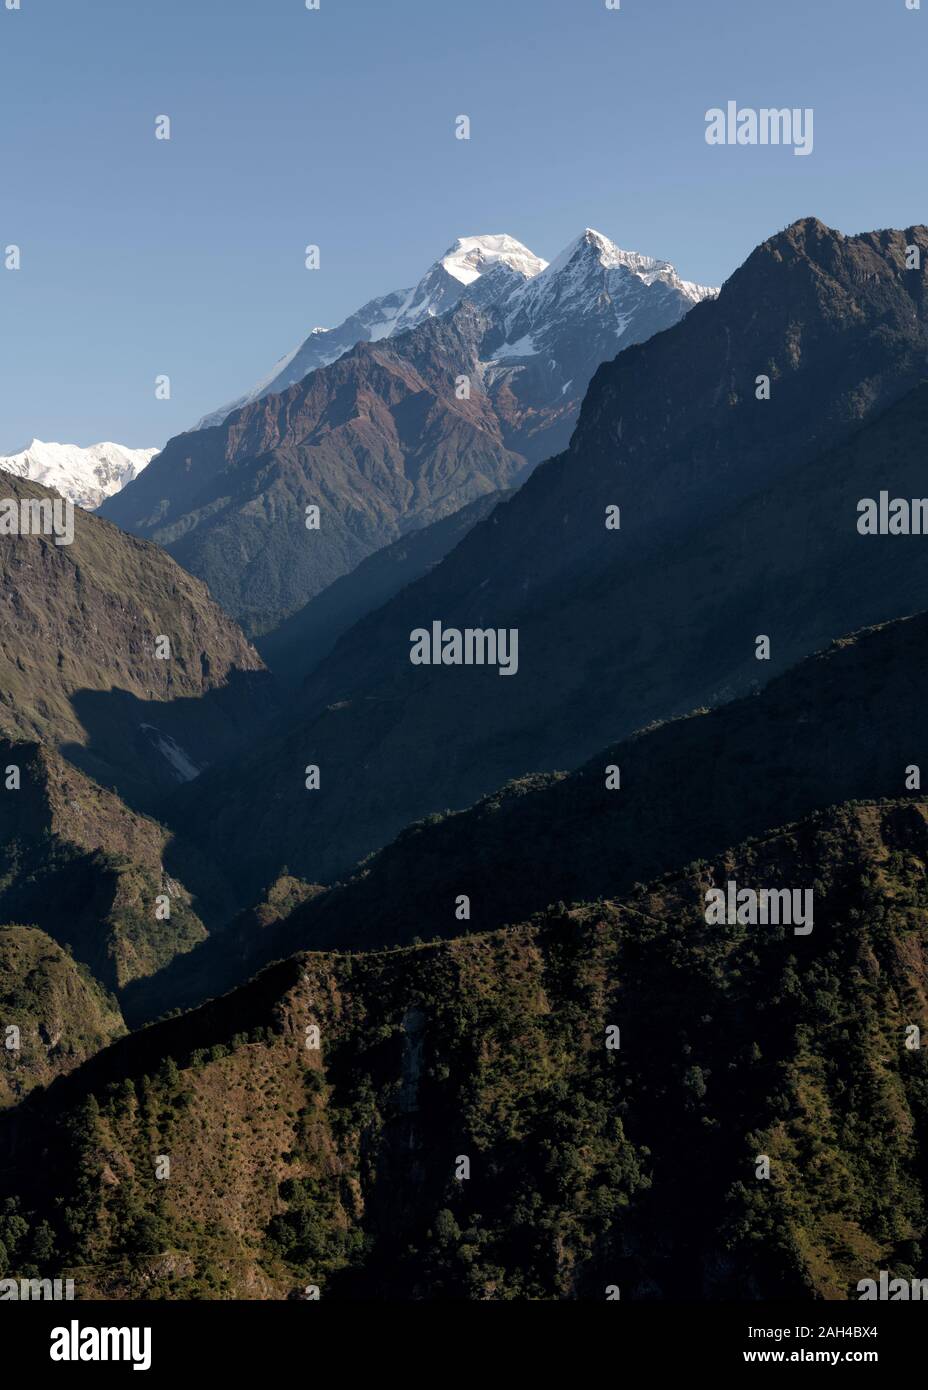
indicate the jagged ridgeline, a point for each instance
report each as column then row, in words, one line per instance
column 593, row 1098
column 472, row 377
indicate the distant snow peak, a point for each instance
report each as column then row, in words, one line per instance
column 593, row 248
column 471, row 256
column 504, row 258
column 84, row 476
column 593, row 293
column 591, row 301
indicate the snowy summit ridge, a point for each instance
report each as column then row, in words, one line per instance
column 592, row 288
column 472, row 256
column 442, row 285
column 84, row 476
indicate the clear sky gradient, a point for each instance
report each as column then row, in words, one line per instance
column 336, row 127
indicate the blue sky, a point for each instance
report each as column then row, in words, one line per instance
column 336, row 127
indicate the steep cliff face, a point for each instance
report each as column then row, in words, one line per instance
column 584, row 1100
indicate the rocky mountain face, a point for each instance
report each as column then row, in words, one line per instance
column 552, row 332
column 81, row 629
column 501, row 259
column 89, row 872
column 736, row 512
column 378, row 442
column 398, row 432
column 593, row 292
column 85, row 476
column 502, row 1116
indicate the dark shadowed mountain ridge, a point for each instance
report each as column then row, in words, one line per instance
column 737, row 514
column 845, row 724
column 303, row 641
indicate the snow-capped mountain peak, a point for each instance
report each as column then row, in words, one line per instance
column 84, row 476
column 594, row 245
column 471, row 256
column 592, row 300
column 458, row 269
column 592, row 252
column 616, row 296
